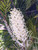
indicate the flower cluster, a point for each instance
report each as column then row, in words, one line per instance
column 18, row 25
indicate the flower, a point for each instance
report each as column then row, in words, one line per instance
column 17, row 25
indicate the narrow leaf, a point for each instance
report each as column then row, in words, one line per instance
column 2, row 4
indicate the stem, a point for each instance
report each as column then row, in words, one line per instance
column 8, row 28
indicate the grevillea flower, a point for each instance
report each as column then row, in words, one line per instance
column 17, row 25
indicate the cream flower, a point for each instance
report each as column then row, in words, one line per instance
column 17, row 25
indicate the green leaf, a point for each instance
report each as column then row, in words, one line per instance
column 2, row 4
column 1, row 31
column 8, row 1
column 5, row 1
column 8, row 9
column 36, row 16
column 1, row 7
column 8, row 5
column 5, row 6
column 31, row 26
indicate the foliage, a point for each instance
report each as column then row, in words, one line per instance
column 1, row 40
column 5, row 6
column 33, row 34
column 32, row 27
column 8, row 42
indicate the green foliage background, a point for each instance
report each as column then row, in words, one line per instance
column 5, row 7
